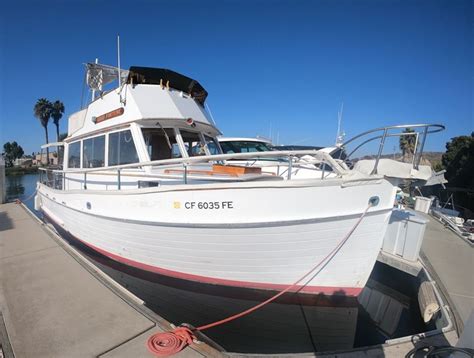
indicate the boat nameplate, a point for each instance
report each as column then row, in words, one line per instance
column 109, row 115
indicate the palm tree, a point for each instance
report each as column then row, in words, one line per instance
column 57, row 110
column 42, row 111
column 407, row 144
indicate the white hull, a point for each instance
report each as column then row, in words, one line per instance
column 266, row 236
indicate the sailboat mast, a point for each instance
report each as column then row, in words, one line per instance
column 93, row 90
column 118, row 60
column 340, row 134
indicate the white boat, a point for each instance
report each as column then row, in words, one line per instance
column 306, row 167
column 303, row 166
column 133, row 189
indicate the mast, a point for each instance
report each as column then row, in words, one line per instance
column 93, row 90
column 118, row 60
column 340, row 133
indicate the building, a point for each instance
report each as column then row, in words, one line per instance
column 26, row 161
column 40, row 159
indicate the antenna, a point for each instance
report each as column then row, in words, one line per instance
column 118, row 60
column 340, row 134
column 210, row 113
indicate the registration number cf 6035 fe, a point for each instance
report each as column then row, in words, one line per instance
column 209, row 205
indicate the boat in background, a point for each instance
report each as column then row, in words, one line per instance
column 231, row 145
column 397, row 172
column 132, row 188
column 451, row 218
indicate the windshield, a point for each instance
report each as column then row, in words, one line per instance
column 212, row 145
column 229, row 147
column 161, row 143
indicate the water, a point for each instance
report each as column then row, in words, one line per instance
column 21, row 187
column 387, row 307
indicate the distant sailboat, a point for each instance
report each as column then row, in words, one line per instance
column 340, row 133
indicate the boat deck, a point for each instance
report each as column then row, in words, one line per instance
column 55, row 304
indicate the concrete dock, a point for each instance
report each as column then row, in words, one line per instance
column 53, row 304
column 451, row 260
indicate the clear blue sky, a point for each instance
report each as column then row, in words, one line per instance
column 285, row 65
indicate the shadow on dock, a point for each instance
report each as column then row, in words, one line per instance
column 6, row 222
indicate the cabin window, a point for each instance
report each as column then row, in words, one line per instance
column 193, row 143
column 122, row 148
column 93, row 152
column 74, row 156
column 161, row 143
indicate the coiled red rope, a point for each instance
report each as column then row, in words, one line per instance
column 164, row 344
column 167, row 343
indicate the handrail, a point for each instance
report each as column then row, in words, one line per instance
column 418, row 150
column 401, row 126
column 319, row 155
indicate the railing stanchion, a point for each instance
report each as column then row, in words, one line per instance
column 119, row 180
column 414, row 150
column 85, row 180
column 185, row 173
column 382, row 143
column 290, row 166
column 418, row 158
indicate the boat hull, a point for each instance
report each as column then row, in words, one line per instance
column 252, row 253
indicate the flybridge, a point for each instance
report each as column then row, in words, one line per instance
column 99, row 75
column 168, row 78
column 140, row 94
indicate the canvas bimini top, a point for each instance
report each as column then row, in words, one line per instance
column 165, row 77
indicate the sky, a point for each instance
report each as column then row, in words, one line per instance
column 272, row 68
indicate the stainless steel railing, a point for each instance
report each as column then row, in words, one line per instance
column 56, row 177
column 48, row 176
column 419, row 130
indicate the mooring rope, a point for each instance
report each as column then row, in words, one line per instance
column 19, row 201
column 163, row 344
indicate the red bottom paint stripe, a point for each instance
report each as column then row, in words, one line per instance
column 327, row 290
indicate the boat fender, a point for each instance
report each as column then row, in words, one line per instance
column 37, row 202
column 427, row 300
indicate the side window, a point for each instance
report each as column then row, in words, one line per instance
column 74, row 156
column 122, row 148
column 227, row 148
column 93, row 152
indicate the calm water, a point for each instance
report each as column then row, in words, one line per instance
column 387, row 307
column 21, row 187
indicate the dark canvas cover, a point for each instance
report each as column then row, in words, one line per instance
column 150, row 75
